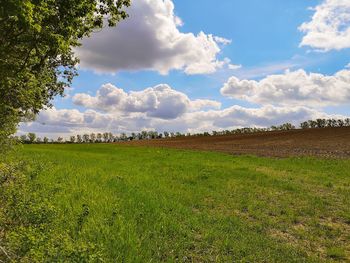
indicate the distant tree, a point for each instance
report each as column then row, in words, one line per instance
column 144, row 134
column 123, row 136
column 105, row 136
column 347, row 122
column 59, row 139
column 86, row 138
column 334, row 123
column 79, row 139
column 110, row 137
column 304, row 125
column 166, row 134
column 312, row 124
column 329, row 123
column 286, row 127
column 72, row 139
column 31, row 137
column 39, row 140
column 152, row 134
column 340, row 123
column 321, row 123
column 133, row 136
column 99, row 137
column 93, row 137
column 45, row 140
column 23, row 138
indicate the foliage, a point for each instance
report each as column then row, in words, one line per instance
column 325, row 123
column 36, row 57
column 29, row 221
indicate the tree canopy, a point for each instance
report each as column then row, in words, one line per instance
column 37, row 62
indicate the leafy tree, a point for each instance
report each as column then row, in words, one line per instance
column 59, row 139
column 144, row 134
column 321, row 123
column 123, row 137
column 79, row 139
column 46, row 140
column 286, row 127
column 99, row 137
column 347, row 122
column 93, row 137
column 23, row 138
column 105, row 136
column 312, row 124
column 340, row 123
column 72, row 139
column 110, row 137
column 36, row 51
column 31, row 137
column 333, row 123
column 304, row 125
column 86, row 138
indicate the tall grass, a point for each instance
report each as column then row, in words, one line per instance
column 147, row 204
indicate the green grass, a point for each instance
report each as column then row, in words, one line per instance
column 149, row 204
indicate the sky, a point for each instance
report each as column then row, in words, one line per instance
column 203, row 65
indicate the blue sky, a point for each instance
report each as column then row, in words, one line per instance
column 265, row 39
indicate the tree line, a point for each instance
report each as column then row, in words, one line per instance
column 109, row 137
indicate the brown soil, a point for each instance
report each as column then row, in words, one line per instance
column 327, row 142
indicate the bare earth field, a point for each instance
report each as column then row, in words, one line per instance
column 327, row 142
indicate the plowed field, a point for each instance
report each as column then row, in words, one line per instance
column 328, row 142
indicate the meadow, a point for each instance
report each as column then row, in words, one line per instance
column 145, row 204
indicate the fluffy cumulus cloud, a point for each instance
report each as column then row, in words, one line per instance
column 150, row 39
column 293, row 88
column 55, row 122
column 160, row 101
column 329, row 27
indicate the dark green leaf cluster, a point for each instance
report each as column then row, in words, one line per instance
column 37, row 62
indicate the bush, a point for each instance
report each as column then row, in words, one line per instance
column 30, row 229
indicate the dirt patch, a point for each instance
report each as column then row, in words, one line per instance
column 327, row 142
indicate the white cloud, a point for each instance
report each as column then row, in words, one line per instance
column 234, row 67
column 222, row 40
column 329, row 27
column 160, row 101
column 292, row 88
column 150, row 40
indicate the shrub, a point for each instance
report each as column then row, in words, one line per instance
column 30, row 229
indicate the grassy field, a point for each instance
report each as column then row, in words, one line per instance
column 149, row 205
